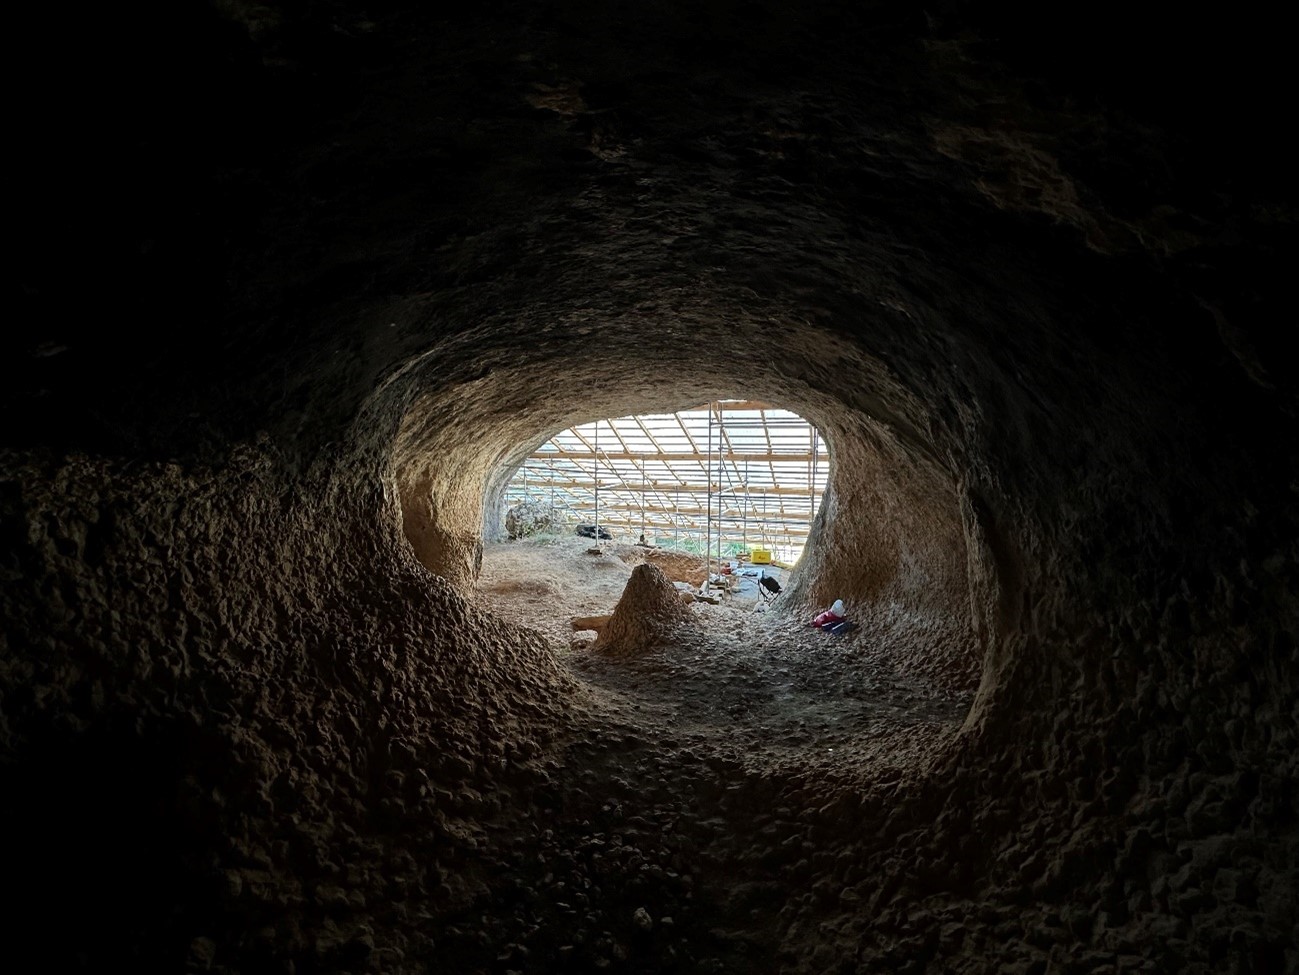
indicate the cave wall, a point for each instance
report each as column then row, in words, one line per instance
column 357, row 261
column 210, row 692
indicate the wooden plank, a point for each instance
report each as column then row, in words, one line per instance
column 735, row 513
column 668, row 487
column 620, row 521
column 730, row 406
column 763, row 458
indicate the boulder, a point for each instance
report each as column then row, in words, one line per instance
column 530, row 518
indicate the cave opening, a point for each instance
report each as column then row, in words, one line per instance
column 492, row 496
column 641, row 547
column 884, row 531
column 733, row 481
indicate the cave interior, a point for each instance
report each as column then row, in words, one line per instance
column 302, row 283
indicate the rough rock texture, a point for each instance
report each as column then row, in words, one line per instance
column 529, row 518
column 297, row 285
column 649, row 614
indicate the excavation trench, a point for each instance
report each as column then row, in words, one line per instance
column 763, row 686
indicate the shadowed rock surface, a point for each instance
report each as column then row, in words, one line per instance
column 299, row 285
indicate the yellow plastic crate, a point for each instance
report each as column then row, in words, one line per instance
column 761, row 556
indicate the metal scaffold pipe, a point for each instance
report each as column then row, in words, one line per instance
column 745, row 509
column 595, row 477
column 708, row 530
column 721, row 445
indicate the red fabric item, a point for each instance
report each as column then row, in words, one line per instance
column 826, row 619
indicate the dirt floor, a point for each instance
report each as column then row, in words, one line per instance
column 750, row 683
column 668, row 839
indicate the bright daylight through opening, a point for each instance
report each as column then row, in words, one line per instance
column 740, row 480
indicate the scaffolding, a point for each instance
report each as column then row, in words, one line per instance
column 720, row 479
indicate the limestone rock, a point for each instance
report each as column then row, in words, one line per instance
column 530, row 518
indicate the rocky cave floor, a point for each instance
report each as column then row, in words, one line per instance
column 669, row 830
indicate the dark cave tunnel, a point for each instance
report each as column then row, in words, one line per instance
column 300, row 284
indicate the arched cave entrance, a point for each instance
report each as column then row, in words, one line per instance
column 888, row 539
column 720, row 480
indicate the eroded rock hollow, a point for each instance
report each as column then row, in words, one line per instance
column 301, row 284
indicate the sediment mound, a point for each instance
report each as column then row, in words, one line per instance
column 647, row 615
